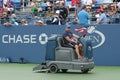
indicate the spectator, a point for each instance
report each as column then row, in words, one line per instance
column 4, row 18
column 99, row 1
column 104, row 7
column 40, row 11
column 94, row 2
column 63, row 10
column 39, row 23
column 57, row 19
column 5, row 4
column 49, row 12
column 118, row 5
column 5, row 14
column 57, row 5
column 114, row 5
column 34, row 3
column 24, row 22
column 74, row 2
column 34, row 9
column 83, row 16
column 13, row 22
column 102, row 17
column 78, row 8
column 48, row 3
column 10, row 6
column 90, row 13
column 105, row 4
column 112, row 10
column 42, row 5
column 13, row 16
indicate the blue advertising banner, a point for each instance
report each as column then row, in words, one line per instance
column 29, row 42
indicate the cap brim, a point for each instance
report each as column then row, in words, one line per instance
column 68, row 27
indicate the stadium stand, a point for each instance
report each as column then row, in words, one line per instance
column 24, row 10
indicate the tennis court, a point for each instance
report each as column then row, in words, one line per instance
column 24, row 72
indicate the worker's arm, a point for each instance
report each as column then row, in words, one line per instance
column 68, row 39
column 76, row 36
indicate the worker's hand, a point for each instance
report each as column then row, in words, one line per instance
column 80, row 44
column 82, row 36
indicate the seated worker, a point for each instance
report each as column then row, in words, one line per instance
column 68, row 40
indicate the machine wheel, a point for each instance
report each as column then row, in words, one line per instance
column 85, row 71
column 53, row 68
column 64, row 70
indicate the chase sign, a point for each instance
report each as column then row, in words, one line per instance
column 25, row 39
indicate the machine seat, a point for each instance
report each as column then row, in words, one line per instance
column 62, row 44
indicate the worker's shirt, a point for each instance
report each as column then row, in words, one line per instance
column 67, row 34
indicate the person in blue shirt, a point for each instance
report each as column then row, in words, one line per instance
column 99, row 1
column 102, row 19
column 83, row 16
column 68, row 38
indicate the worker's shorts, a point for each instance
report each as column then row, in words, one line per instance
column 73, row 44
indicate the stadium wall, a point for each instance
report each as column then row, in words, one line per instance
column 28, row 42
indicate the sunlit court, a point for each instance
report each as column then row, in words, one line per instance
column 24, row 72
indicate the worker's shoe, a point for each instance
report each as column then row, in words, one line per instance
column 83, row 59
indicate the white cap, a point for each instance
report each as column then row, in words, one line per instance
column 62, row 1
column 57, row 11
column 39, row 21
column 48, row 3
column 57, row 1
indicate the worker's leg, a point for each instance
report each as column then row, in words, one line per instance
column 77, row 52
column 81, row 50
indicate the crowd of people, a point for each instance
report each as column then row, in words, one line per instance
column 60, row 12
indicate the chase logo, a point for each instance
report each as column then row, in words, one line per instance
column 43, row 38
column 96, row 37
column 25, row 39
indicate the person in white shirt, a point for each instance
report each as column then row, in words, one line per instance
column 118, row 5
column 57, row 19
